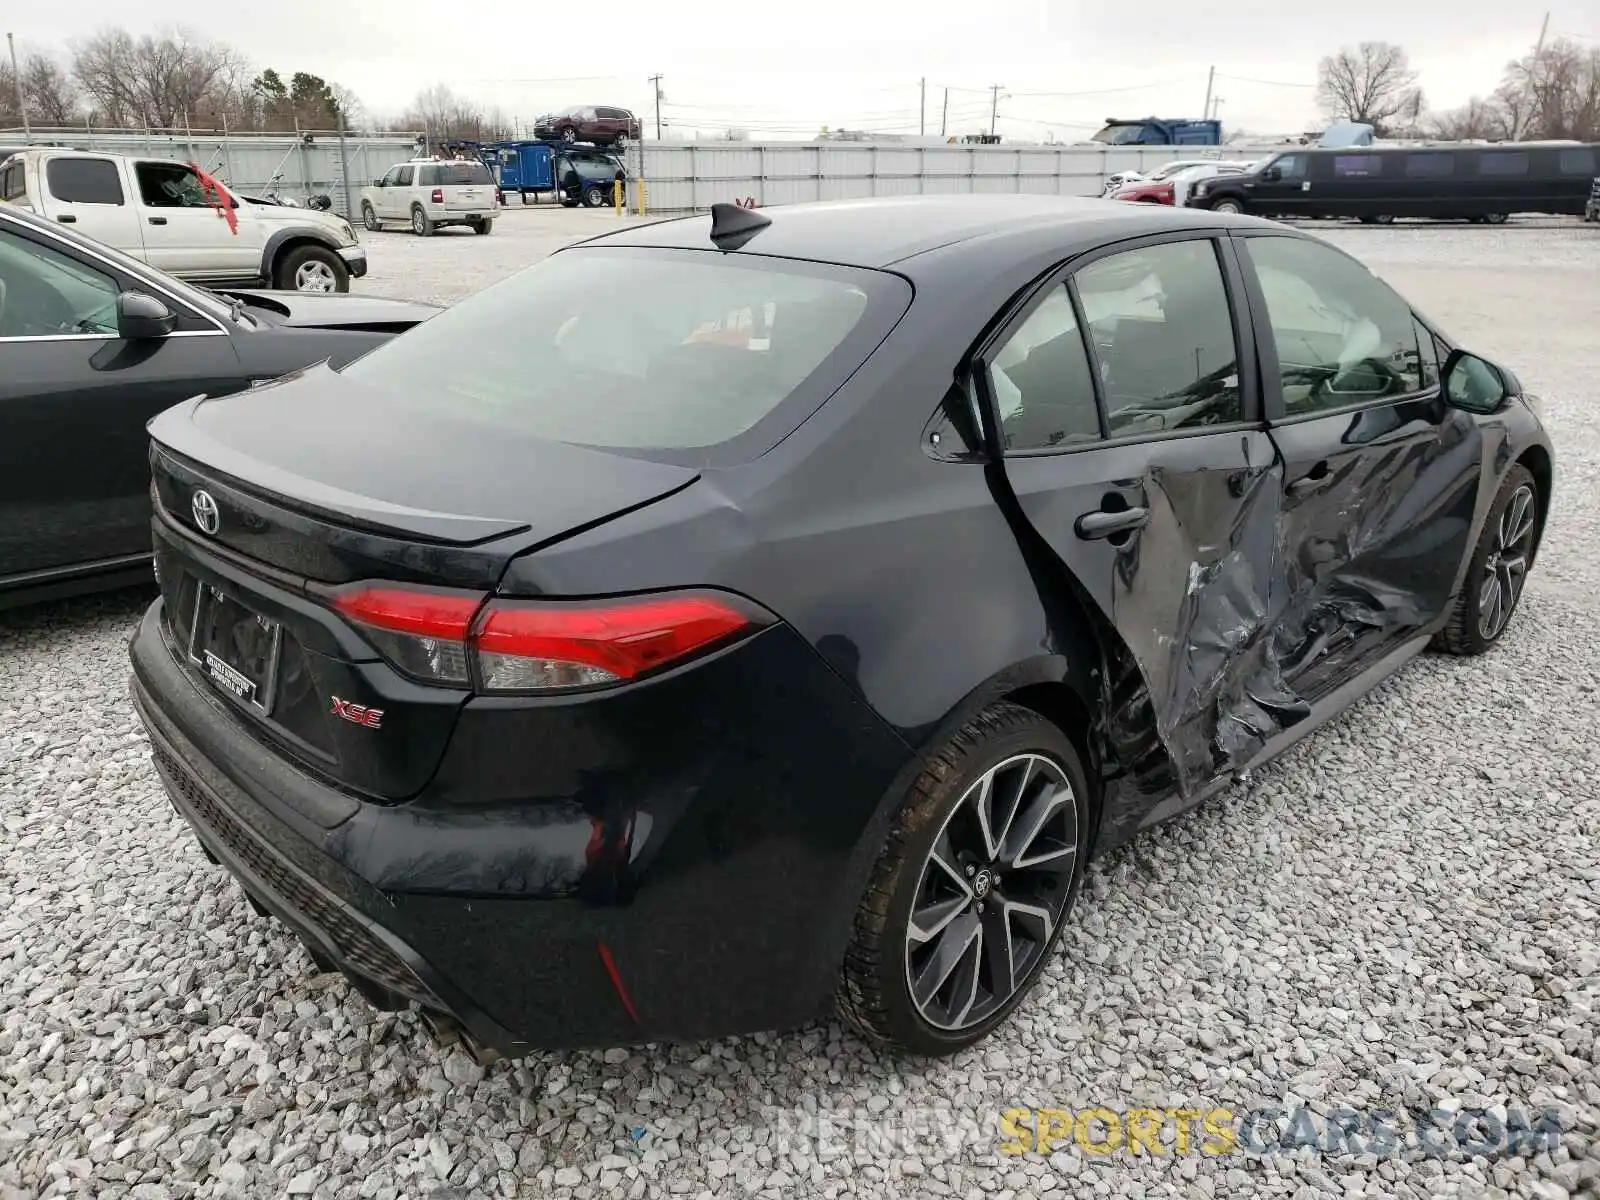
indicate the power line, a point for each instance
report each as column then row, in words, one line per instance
column 1264, row 82
column 1136, row 87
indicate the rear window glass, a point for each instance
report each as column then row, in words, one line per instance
column 682, row 355
column 84, row 180
column 454, row 175
column 1509, row 162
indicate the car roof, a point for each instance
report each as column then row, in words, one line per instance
column 881, row 232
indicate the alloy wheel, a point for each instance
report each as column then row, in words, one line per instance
column 992, row 892
column 315, row 276
column 418, row 222
column 1505, row 569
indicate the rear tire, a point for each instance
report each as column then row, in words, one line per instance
column 957, row 872
column 309, row 268
column 1385, row 219
column 594, row 196
column 481, row 226
column 420, row 225
column 1482, row 610
column 1497, row 218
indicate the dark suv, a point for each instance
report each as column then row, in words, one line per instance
column 589, row 123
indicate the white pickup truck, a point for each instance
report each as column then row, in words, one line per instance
column 162, row 212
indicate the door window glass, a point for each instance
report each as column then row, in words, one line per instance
column 1430, row 166
column 1291, row 167
column 1503, row 162
column 1163, row 335
column 44, row 292
column 1042, row 381
column 1358, row 166
column 1579, row 162
column 13, row 185
column 1343, row 336
column 84, row 180
column 403, row 177
column 170, row 185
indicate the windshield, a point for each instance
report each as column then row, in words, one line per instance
column 1119, row 135
column 668, row 354
column 208, row 302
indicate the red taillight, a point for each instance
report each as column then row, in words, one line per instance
column 422, row 632
column 438, row 196
column 537, row 646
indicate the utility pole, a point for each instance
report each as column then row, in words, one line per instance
column 1516, row 130
column 994, row 105
column 944, row 117
column 1211, row 78
column 655, row 80
column 16, row 76
column 922, row 109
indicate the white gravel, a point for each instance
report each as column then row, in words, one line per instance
column 1404, row 910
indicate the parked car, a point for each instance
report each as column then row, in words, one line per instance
column 93, row 344
column 864, row 597
column 1591, row 210
column 162, row 213
column 1481, row 183
column 599, row 124
column 1173, row 187
column 1118, row 180
column 588, row 177
column 429, row 194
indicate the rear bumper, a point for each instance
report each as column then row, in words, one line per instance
column 684, row 907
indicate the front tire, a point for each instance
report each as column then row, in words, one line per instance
column 1497, row 218
column 312, row 269
column 971, row 890
column 594, row 196
column 1228, row 205
column 1482, row 609
column 420, row 225
column 369, row 219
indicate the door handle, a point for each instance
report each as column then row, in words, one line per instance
column 157, row 220
column 67, row 219
column 1096, row 525
column 1312, row 481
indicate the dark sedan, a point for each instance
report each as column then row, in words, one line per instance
column 92, row 345
column 900, row 556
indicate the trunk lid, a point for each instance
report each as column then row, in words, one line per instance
column 306, row 487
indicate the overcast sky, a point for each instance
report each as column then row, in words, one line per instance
column 787, row 68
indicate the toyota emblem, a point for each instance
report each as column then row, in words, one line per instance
column 206, row 514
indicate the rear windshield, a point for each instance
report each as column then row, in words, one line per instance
column 682, row 355
column 447, row 174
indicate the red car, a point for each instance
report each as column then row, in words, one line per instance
column 598, row 124
column 1175, row 187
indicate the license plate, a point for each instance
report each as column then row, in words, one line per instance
column 236, row 649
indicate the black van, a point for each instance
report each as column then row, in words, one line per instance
column 1476, row 182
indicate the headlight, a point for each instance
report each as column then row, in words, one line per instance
column 349, row 234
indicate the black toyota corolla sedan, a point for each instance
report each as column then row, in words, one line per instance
column 92, row 345
column 898, row 557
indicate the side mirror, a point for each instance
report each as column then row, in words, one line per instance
column 1272, row 174
column 1474, row 384
column 377, row 183
column 143, row 318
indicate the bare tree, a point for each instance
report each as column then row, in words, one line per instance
column 1372, row 83
column 445, row 116
column 1478, row 119
column 47, row 90
column 159, row 80
column 1556, row 91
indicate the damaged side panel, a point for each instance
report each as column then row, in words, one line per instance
column 1243, row 599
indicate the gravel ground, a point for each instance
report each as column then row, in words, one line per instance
column 1402, row 912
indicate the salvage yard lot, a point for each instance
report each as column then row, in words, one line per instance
column 1402, row 912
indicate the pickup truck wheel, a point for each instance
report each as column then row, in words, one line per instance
column 1228, row 206
column 420, row 225
column 370, row 219
column 312, row 269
